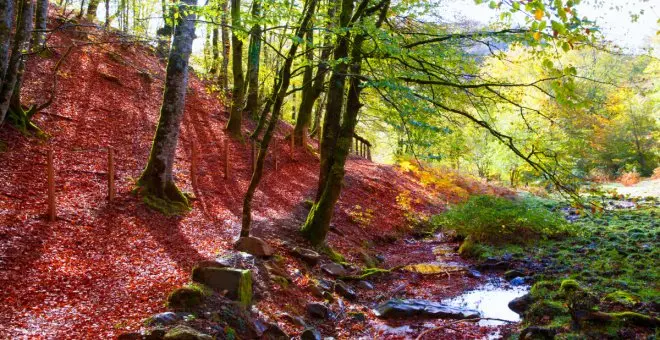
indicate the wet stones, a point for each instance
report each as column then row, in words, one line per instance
column 345, row 290
column 318, row 310
column 521, row 304
column 422, row 308
column 310, row 334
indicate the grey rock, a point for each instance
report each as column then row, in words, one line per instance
column 473, row 273
column 365, row 285
column 166, row 318
column 274, row 332
column 510, row 274
column 234, row 259
column 422, row 308
column 318, row 310
column 521, row 304
column 307, row 255
column 236, row 283
column 334, row 269
column 345, row 290
column 185, row 333
column 310, row 334
column 254, row 246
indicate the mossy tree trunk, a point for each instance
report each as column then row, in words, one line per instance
column 317, row 225
column 91, row 9
column 156, row 184
column 254, row 54
column 40, row 22
column 6, row 20
column 313, row 85
column 215, row 51
column 224, row 71
column 21, row 44
column 238, row 91
column 164, row 33
column 277, row 98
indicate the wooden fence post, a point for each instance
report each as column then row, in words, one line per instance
column 226, row 158
column 293, row 144
column 51, row 188
column 275, row 152
column 369, row 152
column 193, row 165
column 111, row 174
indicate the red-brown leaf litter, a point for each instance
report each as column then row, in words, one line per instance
column 102, row 267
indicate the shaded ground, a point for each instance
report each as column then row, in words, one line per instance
column 102, row 267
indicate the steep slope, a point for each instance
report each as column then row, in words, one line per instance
column 102, row 267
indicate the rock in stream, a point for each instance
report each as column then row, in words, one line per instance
column 423, row 308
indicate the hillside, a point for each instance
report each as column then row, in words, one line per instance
column 102, row 267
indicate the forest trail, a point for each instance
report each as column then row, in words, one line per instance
column 103, row 267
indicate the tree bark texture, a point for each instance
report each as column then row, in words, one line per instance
column 238, row 92
column 40, row 23
column 21, row 40
column 254, row 53
column 156, row 183
column 6, row 18
column 91, row 9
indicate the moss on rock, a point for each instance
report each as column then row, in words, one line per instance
column 187, row 297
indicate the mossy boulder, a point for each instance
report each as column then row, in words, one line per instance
column 235, row 283
column 185, row 333
column 187, row 297
column 622, row 298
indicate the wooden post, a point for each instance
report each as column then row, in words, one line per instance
column 111, row 174
column 293, row 144
column 226, row 158
column 275, row 152
column 369, row 152
column 193, row 165
column 51, row 188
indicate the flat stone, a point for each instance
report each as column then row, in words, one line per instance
column 307, row 255
column 345, row 290
column 234, row 259
column 422, row 308
column 473, row 273
column 334, row 269
column 310, row 334
column 318, row 310
column 236, row 283
column 365, row 285
column 254, row 246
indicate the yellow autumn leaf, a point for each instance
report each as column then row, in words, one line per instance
column 537, row 36
column 538, row 14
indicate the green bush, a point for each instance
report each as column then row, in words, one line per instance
column 495, row 220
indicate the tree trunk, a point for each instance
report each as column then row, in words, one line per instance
column 21, row 40
column 214, row 51
column 277, row 97
column 224, row 75
column 164, row 33
column 254, row 52
column 156, row 184
column 236, row 116
column 335, row 98
column 6, row 20
column 82, row 9
column 317, row 225
column 40, row 23
column 108, row 18
column 312, row 88
column 318, row 113
column 91, row 9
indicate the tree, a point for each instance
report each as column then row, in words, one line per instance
column 156, row 184
column 91, row 9
column 224, row 71
column 6, row 19
column 40, row 23
column 13, row 71
column 254, row 53
column 338, row 131
column 277, row 99
column 234, row 124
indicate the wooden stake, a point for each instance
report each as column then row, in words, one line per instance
column 293, row 145
column 193, row 165
column 226, row 158
column 111, row 174
column 51, row 188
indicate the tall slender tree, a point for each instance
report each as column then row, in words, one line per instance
column 40, row 23
column 6, row 20
column 234, row 125
column 156, row 184
column 224, row 29
column 254, row 53
column 91, row 9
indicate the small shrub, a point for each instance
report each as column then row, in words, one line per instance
column 494, row 220
column 629, row 178
column 656, row 173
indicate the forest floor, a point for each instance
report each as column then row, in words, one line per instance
column 102, row 267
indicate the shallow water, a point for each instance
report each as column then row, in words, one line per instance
column 491, row 300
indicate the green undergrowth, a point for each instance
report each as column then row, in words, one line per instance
column 488, row 220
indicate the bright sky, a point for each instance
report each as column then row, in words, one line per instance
column 616, row 24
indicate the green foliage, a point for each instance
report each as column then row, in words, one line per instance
column 494, row 220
